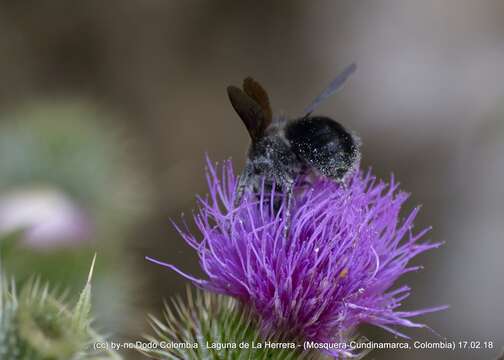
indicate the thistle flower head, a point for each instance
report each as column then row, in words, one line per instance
column 206, row 318
column 335, row 269
column 40, row 325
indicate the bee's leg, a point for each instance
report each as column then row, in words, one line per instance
column 242, row 185
column 289, row 193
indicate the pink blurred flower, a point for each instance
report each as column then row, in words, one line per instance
column 49, row 219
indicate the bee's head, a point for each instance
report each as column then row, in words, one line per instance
column 252, row 106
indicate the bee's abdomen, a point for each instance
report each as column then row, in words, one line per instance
column 324, row 144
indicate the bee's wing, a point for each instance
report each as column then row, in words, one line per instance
column 251, row 113
column 334, row 86
column 255, row 90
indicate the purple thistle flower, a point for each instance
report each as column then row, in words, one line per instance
column 345, row 248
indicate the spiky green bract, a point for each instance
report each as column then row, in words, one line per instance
column 39, row 325
column 8, row 307
column 44, row 328
column 190, row 328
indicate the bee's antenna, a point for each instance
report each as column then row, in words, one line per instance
column 334, row 86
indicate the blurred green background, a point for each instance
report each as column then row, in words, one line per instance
column 107, row 110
